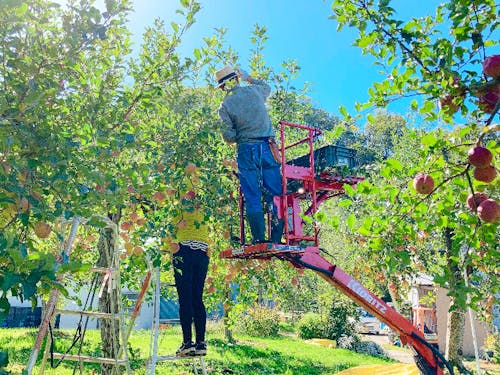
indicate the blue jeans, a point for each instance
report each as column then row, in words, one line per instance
column 260, row 175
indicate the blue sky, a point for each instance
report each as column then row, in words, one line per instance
column 297, row 29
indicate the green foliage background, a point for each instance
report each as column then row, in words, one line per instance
column 87, row 129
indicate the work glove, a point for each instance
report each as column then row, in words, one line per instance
column 243, row 75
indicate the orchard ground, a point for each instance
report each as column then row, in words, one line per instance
column 283, row 354
column 249, row 355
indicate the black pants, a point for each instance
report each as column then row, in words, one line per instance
column 190, row 271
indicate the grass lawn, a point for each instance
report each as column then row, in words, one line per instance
column 250, row 355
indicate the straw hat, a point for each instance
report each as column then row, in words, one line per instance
column 224, row 74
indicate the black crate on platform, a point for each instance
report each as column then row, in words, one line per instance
column 327, row 156
column 324, row 158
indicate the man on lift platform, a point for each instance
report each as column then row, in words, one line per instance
column 315, row 183
column 248, row 124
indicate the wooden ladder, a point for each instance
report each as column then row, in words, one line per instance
column 111, row 277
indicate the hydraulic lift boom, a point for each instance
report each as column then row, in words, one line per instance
column 308, row 181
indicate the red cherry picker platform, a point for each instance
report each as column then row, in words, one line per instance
column 307, row 181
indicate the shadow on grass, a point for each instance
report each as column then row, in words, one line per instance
column 24, row 341
column 248, row 360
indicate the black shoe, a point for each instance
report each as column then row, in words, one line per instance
column 200, row 348
column 186, row 349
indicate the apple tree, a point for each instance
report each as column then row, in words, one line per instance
column 53, row 64
column 453, row 78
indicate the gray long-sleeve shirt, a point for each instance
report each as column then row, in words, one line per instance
column 244, row 113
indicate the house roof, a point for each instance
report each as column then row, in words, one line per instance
column 422, row 279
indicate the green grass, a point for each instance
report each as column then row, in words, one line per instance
column 250, row 355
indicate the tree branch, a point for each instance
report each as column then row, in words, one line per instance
column 404, row 48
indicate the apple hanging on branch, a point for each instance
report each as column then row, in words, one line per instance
column 488, row 99
column 488, row 93
column 489, row 211
column 487, row 174
column 491, row 66
column 474, row 200
column 480, row 157
column 423, row 183
column 42, row 229
column 453, row 99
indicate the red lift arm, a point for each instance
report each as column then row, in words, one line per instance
column 306, row 181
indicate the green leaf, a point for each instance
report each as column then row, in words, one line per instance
column 351, row 221
column 395, row 164
column 4, row 356
column 4, row 307
column 337, row 132
column 365, row 232
column 367, row 223
column 9, row 281
column 404, row 256
column 464, row 131
column 429, row 140
column 334, row 221
column 197, row 53
column 345, row 203
column 29, row 289
column 22, row 10
column 443, row 221
column 349, row 190
column 385, row 172
column 74, row 267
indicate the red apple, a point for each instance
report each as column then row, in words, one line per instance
column 42, row 230
column 190, row 168
column 480, row 157
column 190, row 195
column 491, row 66
column 423, row 183
column 488, row 100
column 473, row 201
column 159, row 196
column 451, row 101
column 489, row 211
column 24, row 205
column 126, row 225
column 487, row 174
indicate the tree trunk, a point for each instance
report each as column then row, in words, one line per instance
column 110, row 328
column 455, row 327
column 228, row 335
column 455, row 335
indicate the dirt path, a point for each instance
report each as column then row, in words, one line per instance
column 406, row 355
